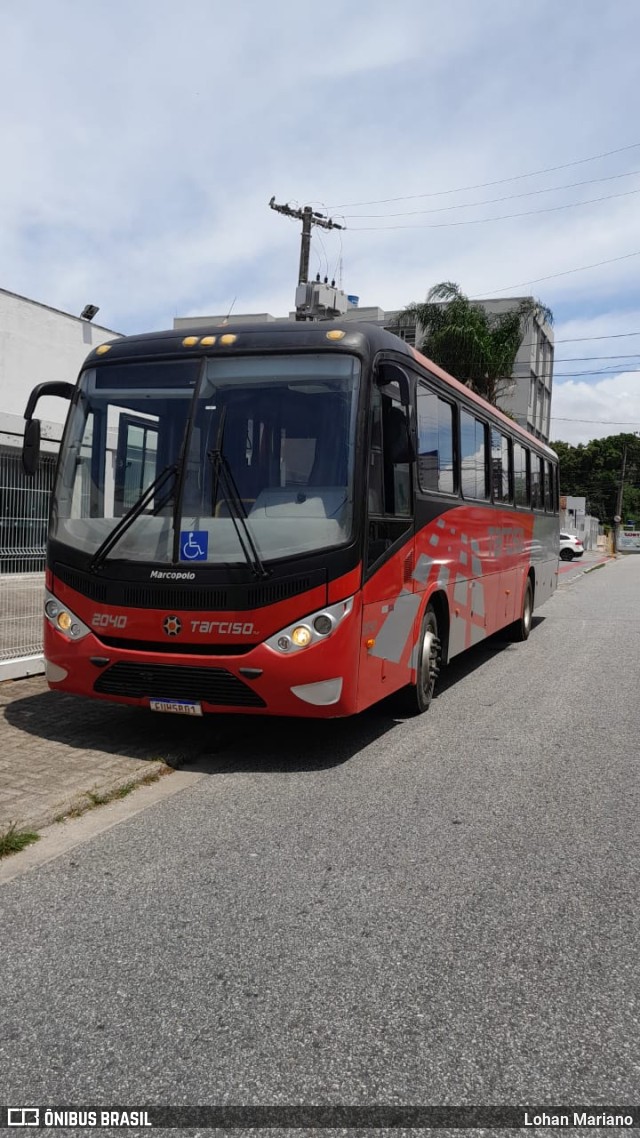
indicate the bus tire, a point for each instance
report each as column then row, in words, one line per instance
column 521, row 628
column 416, row 698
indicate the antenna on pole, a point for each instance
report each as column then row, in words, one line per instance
column 306, row 309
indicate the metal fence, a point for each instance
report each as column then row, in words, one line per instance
column 24, row 510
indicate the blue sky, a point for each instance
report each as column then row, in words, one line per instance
column 142, row 142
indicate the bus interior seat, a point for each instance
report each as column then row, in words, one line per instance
column 300, row 501
column 223, row 509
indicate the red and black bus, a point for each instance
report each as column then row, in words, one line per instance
column 294, row 519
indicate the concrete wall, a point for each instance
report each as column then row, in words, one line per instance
column 628, row 541
column 38, row 343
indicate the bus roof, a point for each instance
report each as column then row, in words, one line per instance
column 304, row 335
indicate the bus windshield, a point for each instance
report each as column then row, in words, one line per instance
column 269, row 438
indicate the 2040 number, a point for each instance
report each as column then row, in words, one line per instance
column 107, row 620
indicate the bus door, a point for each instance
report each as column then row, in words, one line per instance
column 389, row 601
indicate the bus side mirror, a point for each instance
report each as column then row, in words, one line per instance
column 31, row 446
column 31, row 441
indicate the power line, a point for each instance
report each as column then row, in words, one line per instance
column 492, row 201
column 600, row 422
column 582, row 339
column 596, row 371
column 487, row 220
column 486, row 185
column 582, row 359
column 551, row 276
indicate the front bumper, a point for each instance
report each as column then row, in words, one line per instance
column 319, row 681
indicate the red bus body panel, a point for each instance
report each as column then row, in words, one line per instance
column 475, row 557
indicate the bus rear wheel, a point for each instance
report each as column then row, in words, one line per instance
column 416, row 698
column 521, row 628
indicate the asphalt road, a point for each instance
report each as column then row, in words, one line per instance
column 439, row 910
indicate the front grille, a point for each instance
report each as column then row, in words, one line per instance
column 169, row 681
column 150, row 597
column 187, row 598
column 82, row 583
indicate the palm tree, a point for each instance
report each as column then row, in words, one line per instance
column 478, row 347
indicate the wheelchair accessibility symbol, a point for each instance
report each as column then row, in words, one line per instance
column 194, row 545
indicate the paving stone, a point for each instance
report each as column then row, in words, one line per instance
column 55, row 748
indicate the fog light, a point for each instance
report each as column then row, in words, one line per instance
column 64, row 621
column 323, row 624
column 284, row 643
column 51, row 609
column 301, row 636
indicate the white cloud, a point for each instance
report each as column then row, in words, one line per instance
column 141, row 144
column 608, row 406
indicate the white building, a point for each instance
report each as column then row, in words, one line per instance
column 37, row 344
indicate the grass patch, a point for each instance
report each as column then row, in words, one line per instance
column 95, row 798
column 12, row 840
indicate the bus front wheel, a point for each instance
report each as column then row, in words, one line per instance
column 417, row 697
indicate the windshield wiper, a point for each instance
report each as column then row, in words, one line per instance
column 103, row 551
column 225, row 479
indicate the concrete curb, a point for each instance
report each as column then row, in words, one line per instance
column 58, row 839
column 78, row 803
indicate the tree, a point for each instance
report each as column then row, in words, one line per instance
column 593, row 471
column 477, row 347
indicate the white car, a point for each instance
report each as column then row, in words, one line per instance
column 570, row 547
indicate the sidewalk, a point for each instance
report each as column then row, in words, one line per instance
column 591, row 559
column 57, row 749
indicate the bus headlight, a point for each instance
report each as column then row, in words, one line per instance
column 63, row 619
column 312, row 629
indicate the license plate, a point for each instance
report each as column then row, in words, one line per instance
column 176, row 706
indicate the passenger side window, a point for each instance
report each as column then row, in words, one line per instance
column 537, row 483
column 500, row 476
column 435, row 442
column 473, row 462
column 550, row 495
column 520, row 475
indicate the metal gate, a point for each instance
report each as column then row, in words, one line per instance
column 24, row 511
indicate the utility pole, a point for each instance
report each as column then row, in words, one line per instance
column 618, row 518
column 309, row 217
